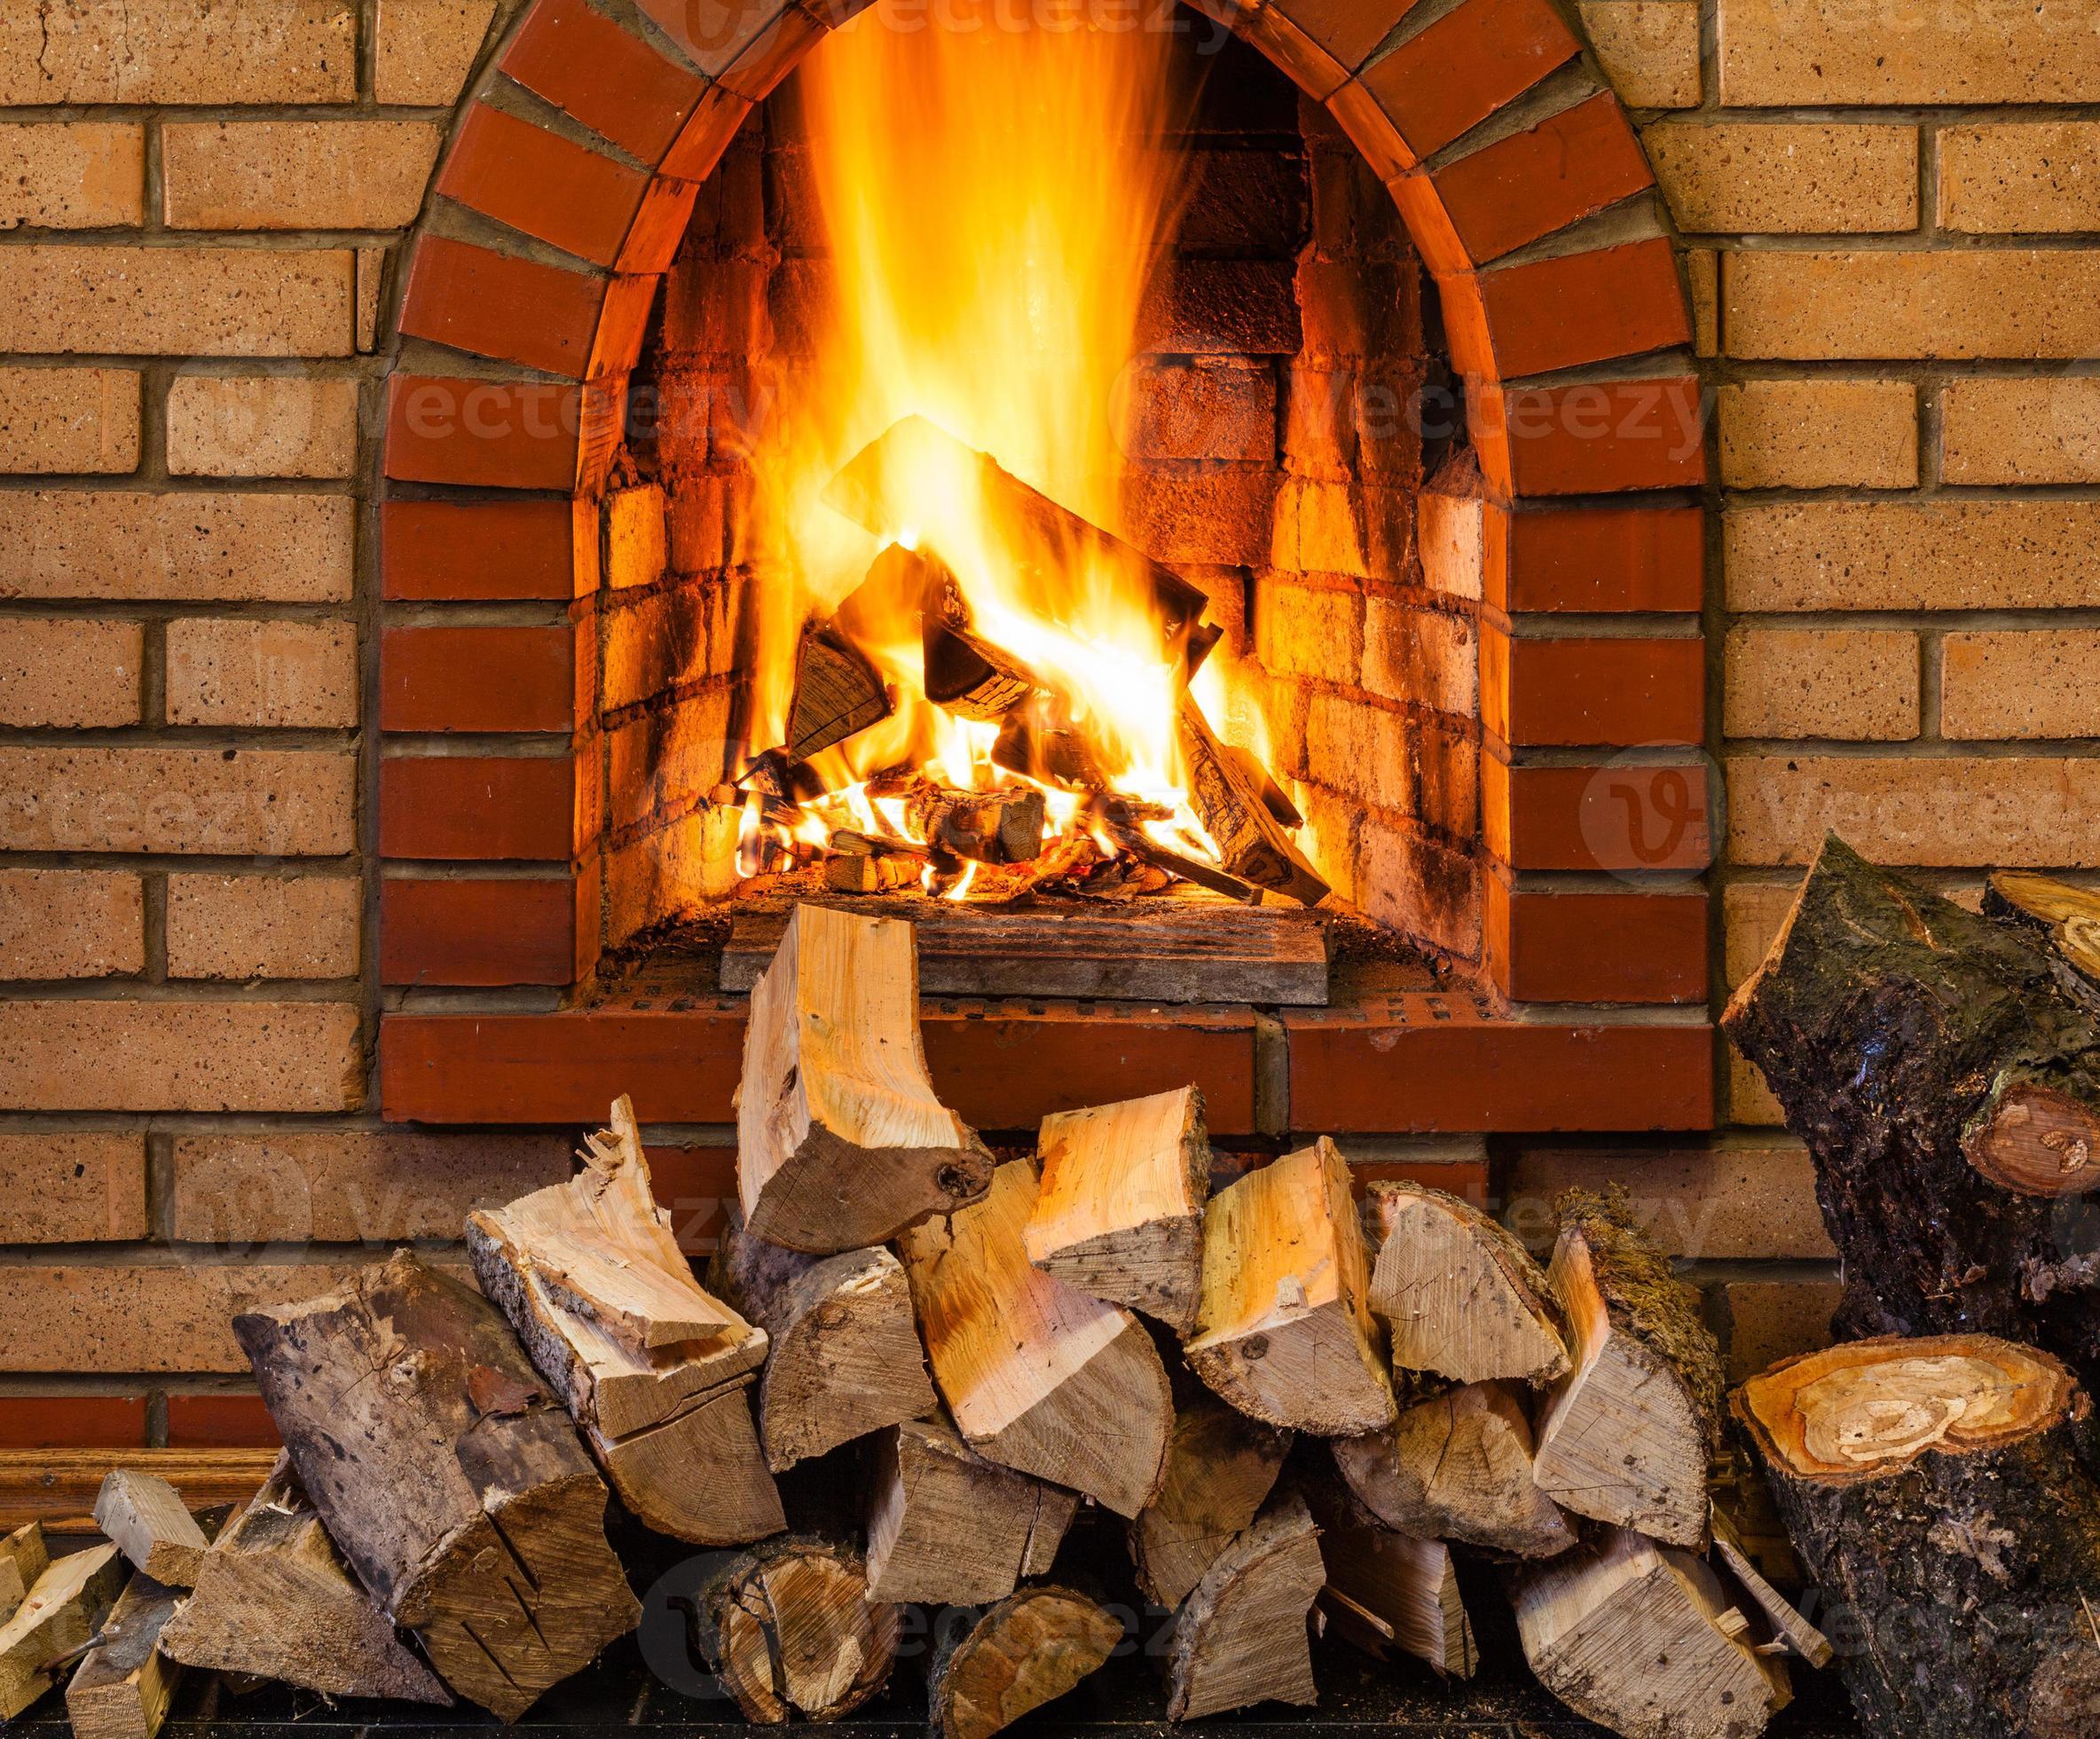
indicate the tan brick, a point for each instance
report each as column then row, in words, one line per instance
column 1307, row 631
column 64, row 924
column 122, row 544
column 2033, row 684
column 372, row 277
column 1855, row 685
column 74, row 175
column 267, row 426
column 2026, row 811
column 1363, row 750
column 296, row 175
column 2020, row 177
column 1751, row 914
column 70, row 671
column 288, row 674
column 1769, row 1320
column 178, row 51
column 236, row 802
column 2044, row 429
column 63, row 1188
column 350, row 1186
column 262, row 926
column 1819, row 433
column 79, row 420
column 1785, row 177
column 1199, row 408
column 1801, row 53
column 1702, row 278
column 1648, row 49
column 425, row 49
column 1710, row 1205
column 2037, row 555
column 1430, row 656
column 222, row 302
column 1855, row 307
column 138, row 1319
column 1750, row 1100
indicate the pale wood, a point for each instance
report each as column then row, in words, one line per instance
column 1027, row 1650
column 1221, row 1468
column 841, row 1142
column 789, row 1629
column 1782, row 1616
column 947, row 1527
column 1630, row 1434
column 844, row 1358
column 1635, row 1636
column 152, row 1527
column 1389, row 1593
column 989, row 827
column 866, row 873
column 274, row 1600
column 1241, row 1637
column 2066, row 915
column 1285, row 1333
column 838, row 694
column 125, row 1684
column 1459, row 1295
column 58, row 1487
column 61, row 1611
column 1033, row 1370
column 1458, row 1466
column 456, row 1486
column 23, row 1558
column 1251, row 843
column 1120, row 1215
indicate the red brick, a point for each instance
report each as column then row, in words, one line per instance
column 1347, row 30
column 1621, row 690
column 714, row 32
column 1533, row 183
column 1560, row 313
column 1455, row 73
column 1580, row 559
column 72, row 1421
column 1594, row 437
column 490, row 304
column 1306, row 47
column 478, row 933
column 478, row 808
column 488, row 434
column 773, row 54
column 1370, row 130
column 220, row 1422
column 1624, row 816
column 1583, row 946
column 542, row 183
column 653, row 238
column 607, row 77
column 508, row 550
column 495, row 679
column 704, row 137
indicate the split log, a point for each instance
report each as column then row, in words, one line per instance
column 60, row 1613
column 453, row 1482
column 1459, row 1295
column 844, row 1358
column 1027, row 1650
column 1120, row 1215
column 1034, row 1370
column 125, row 1684
column 1788, row 1628
column 902, row 590
column 1221, row 1468
column 1252, row 843
column 974, row 678
column 838, row 694
column 990, row 826
column 841, row 1142
column 947, row 1527
column 23, row 1558
column 1459, row 1467
column 1241, row 1637
column 1285, row 1333
column 788, row 1627
column 1950, row 1092
column 1630, row 1434
column 865, row 872
column 1040, row 742
column 274, row 1602
column 1136, row 843
column 152, row 1527
column 1640, row 1638
column 2065, row 917
column 1931, row 1489
column 1388, row 1593
column 655, row 1371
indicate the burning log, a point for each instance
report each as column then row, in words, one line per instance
column 453, row 1483
column 1221, row 1468
column 1241, row 1637
column 1933, row 1488
column 1388, row 1593
column 23, row 1558
column 150, row 1526
column 1629, row 1435
column 125, row 1684
column 992, row 827
column 838, row 693
column 1027, row 1650
column 972, row 678
column 1285, row 1333
column 868, row 872
column 60, row 1613
column 1130, row 839
column 1039, row 742
column 902, row 588
column 841, row 1140
column 789, row 1628
column 1252, row 843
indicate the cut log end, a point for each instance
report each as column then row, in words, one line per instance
column 1240, row 1637
column 1026, row 1651
column 150, row 1526
column 789, row 1628
column 2035, row 1139
column 1221, row 1468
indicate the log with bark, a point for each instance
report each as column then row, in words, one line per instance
column 1252, row 843
column 1388, row 1592
column 841, row 1143
column 453, row 1482
column 1241, row 1637
column 1120, row 1215
column 150, row 1526
column 989, row 827
column 1037, row 1375
column 2060, row 916
column 972, row 677
column 124, row 1684
column 1459, row 1295
column 274, row 1600
column 838, row 694
column 1285, row 1333
column 1629, row 1436
column 23, row 1558
column 1221, row 1468
column 61, row 1612
column 1931, row 1490
column 994, row 1667
column 655, row 1371
column 1949, row 1089
column 789, row 1629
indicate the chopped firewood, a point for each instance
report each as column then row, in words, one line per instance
column 841, row 1142
column 453, row 1482
column 991, row 827
column 838, row 693
column 1039, row 742
column 1252, row 843
column 1221, row 1468
column 1782, row 1617
column 1941, row 1476
column 903, row 588
column 869, row 874
column 1120, row 1215
column 1141, row 846
column 2065, row 917
column 845, row 1357
column 1459, row 1295
column 1285, row 1332
column 1630, row 1434
column 1457, row 1468
column 654, row 1370
column 23, row 1558
column 789, row 1629
column 274, row 1600
column 1033, row 1369
column 1027, row 1650
column 125, row 1684
column 1388, row 1593
column 1274, row 799
column 1241, row 1637
column 1638, row 1638
column 60, row 1613
column 152, row 1527
column 949, row 1527
column 971, row 677
column 773, row 774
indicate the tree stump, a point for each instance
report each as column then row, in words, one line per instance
column 1026, row 1651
